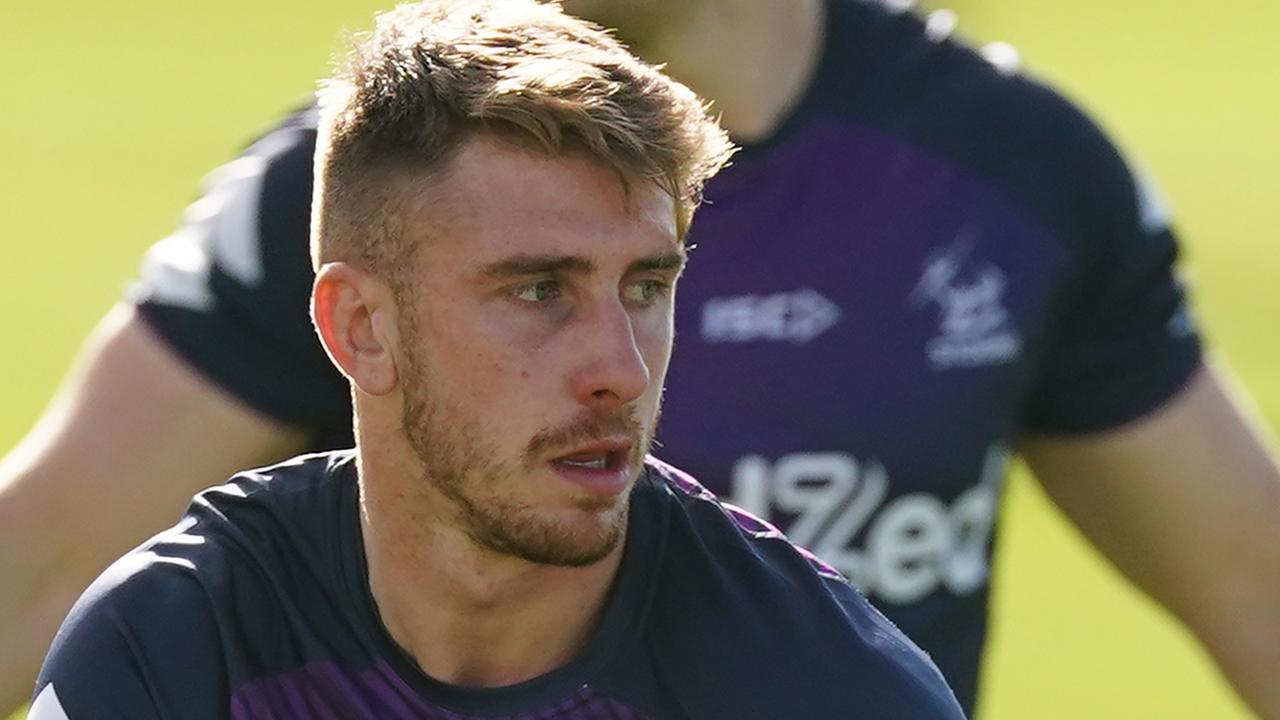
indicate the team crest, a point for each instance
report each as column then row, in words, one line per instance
column 974, row 326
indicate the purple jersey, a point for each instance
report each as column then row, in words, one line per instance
column 257, row 605
column 931, row 257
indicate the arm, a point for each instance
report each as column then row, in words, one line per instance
column 1186, row 503
column 131, row 435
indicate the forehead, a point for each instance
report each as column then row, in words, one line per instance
column 493, row 196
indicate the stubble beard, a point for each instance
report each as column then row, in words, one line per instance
column 465, row 470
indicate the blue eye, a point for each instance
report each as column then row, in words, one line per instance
column 539, row 292
column 643, row 292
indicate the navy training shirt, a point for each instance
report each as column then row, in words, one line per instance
column 257, row 605
column 933, row 256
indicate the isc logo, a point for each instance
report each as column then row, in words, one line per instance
column 913, row 544
column 798, row 316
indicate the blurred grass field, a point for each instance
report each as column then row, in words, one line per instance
column 111, row 112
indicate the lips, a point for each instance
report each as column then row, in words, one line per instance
column 598, row 463
column 601, row 468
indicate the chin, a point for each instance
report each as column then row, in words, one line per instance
column 579, row 537
column 587, row 539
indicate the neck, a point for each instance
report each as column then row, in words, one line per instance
column 753, row 58
column 469, row 616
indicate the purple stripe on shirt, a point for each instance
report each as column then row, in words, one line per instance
column 328, row 691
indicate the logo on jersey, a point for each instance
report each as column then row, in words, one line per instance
column 797, row 316
column 910, row 546
column 974, row 327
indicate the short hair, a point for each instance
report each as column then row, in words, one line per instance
column 433, row 72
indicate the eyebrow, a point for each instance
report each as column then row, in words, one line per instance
column 673, row 259
column 521, row 265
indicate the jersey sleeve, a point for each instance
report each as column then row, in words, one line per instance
column 229, row 290
column 140, row 644
column 1122, row 340
column 917, row 689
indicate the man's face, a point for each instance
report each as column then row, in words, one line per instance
column 534, row 342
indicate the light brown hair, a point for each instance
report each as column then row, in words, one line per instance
column 434, row 71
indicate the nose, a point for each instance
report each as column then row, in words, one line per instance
column 611, row 370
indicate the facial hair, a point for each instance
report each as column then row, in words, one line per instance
column 466, row 470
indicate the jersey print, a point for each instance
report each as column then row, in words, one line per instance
column 257, row 605
column 933, row 256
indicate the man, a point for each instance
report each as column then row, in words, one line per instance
column 921, row 262
column 502, row 193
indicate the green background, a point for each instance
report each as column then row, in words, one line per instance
column 110, row 113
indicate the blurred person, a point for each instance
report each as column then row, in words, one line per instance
column 922, row 262
column 501, row 201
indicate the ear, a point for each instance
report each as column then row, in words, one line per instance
column 355, row 316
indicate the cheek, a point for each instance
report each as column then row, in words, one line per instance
column 516, row 332
column 474, row 364
column 654, row 334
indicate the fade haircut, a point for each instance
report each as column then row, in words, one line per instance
column 433, row 72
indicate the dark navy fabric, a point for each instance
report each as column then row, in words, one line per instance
column 233, row 298
column 257, row 605
column 932, row 257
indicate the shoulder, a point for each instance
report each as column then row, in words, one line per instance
column 228, row 291
column 900, row 71
column 274, row 169
column 226, row 234
column 920, row 85
column 150, row 636
column 281, row 518
column 291, row 485
column 284, row 160
column 282, row 155
column 141, row 642
column 733, row 584
column 185, row 570
column 722, row 526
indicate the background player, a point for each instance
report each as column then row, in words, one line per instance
column 770, row 466
column 500, row 294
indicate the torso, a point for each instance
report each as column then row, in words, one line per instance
column 914, row 273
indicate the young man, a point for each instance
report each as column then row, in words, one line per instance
column 501, row 202
column 921, row 262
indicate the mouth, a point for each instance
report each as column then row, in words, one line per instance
column 601, row 468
